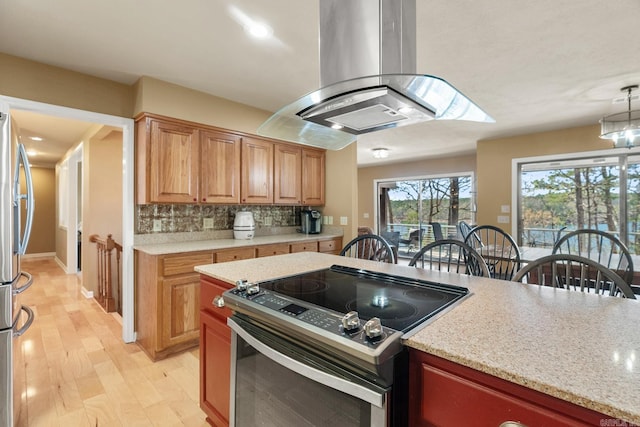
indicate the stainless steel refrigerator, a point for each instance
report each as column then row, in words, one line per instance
column 16, row 217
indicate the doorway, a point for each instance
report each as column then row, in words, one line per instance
column 126, row 126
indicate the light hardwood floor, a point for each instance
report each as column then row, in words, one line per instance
column 80, row 372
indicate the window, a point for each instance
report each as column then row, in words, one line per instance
column 419, row 210
column 596, row 192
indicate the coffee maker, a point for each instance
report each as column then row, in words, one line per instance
column 311, row 221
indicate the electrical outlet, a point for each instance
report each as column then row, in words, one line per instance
column 505, row 208
column 343, row 220
column 365, row 215
column 267, row 221
column 157, row 225
column 207, row 223
column 503, row 219
column 329, row 220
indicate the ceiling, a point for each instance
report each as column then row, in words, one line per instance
column 532, row 66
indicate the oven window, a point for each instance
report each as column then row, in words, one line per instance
column 269, row 394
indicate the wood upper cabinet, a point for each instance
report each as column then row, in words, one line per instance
column 313, row 177
column 220, row 167
column 257, row 171
column 173, row 162
column 287, row 185
column 184, row 162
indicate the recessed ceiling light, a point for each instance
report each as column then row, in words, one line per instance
column 380, row 153
column 254, row 28
column 336, row 126
column 35, row 138
column 32, row 153
column 258, row 30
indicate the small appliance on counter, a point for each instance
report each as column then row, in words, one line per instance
column 244, row 226
column 311, row 221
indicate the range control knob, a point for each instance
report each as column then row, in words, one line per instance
column 350, row 321
column 252, row 288
column 241, row 285
column 373, row 328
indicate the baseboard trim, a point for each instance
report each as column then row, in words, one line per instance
column 86, row 293
column 39, row 255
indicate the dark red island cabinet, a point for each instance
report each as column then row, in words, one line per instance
column 444, row 393
column 215, row 353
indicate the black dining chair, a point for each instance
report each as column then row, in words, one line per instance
column 574, row 272
column 498, row 249
column 371, row 247
column 452, row 256
column 599, row 246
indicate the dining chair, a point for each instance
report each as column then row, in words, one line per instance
column 450, row 255
column 414, row 241
column 393, row 238
column 371, row 247
column 599, row 246
column 464, row 229
column 436, row 228
column 498, row 249
column 574, row 272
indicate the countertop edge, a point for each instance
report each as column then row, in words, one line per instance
column 220, row 244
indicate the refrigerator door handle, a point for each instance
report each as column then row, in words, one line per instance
column 21, row 243
column 29, row 282
column 27, row 324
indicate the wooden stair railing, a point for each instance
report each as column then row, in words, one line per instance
column 106, row 274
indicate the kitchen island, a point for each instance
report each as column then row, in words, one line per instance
column 574, row 347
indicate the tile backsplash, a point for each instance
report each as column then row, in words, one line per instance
column 190, row 218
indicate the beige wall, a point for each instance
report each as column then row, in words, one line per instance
column 342, row 189
column 30, row 80
column 102, row 199
column 494, row 158
column 156, row 96
column 43, row 236
column 34, row 81
column 367, row 175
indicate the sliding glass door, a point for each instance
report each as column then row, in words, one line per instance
column 415, row 212
column 596, row 192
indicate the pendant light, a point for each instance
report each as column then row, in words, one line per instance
column 622, row 128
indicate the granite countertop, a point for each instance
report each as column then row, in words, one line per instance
column 216, row 244
column 578, row 347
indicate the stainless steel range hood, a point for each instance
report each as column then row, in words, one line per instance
column 367, row 74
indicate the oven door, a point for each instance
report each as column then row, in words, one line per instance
column 277, row 383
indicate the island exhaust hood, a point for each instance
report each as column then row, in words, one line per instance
column 367, row 78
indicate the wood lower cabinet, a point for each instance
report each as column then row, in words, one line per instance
column 167, row 301
column 226, row 255
column 215, row 353
column 333, row 246
column 443, row 393
column 168, row 292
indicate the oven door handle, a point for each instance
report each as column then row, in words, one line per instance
column 340, row 384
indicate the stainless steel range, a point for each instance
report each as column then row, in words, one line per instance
column 325, row 347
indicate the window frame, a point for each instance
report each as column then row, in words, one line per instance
column 622, row 154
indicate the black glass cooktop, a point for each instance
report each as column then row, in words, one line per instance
column 399, row 302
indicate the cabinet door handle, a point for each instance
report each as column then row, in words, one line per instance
column 512, row 424
column 218, row 301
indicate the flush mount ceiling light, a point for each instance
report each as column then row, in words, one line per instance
column 622, row 128
column 380, row 153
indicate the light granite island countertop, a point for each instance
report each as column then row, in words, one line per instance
column 577, row 347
